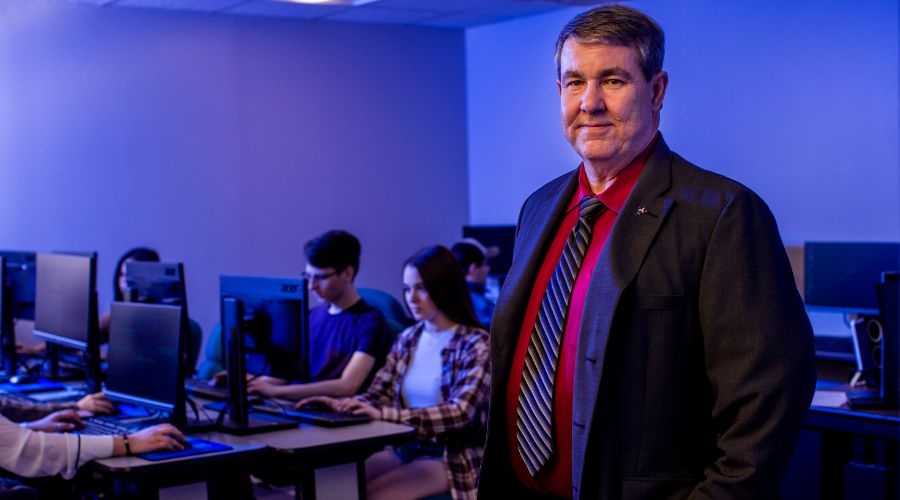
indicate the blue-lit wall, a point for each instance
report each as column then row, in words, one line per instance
column 798, row 100
column 226, row 142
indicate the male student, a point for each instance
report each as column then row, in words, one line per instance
column 473, row 259
column 348, row 338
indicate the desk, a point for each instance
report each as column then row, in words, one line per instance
column 853, row 453
column 148, row 477
column 302, row 450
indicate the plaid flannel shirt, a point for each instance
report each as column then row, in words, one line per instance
column 458, row 422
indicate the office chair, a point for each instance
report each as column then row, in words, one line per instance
column 389, row 306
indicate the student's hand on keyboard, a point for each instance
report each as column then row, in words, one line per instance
column 97, row 404
column 317, row 403
column 158, row 437
column 269, row 387
column 58, row 421
column 342, row 405
column 357, row 407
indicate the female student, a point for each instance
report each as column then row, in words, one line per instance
column 436, row 379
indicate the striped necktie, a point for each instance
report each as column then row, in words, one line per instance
column 534, row 415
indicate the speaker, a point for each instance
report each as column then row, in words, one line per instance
column 868, row 346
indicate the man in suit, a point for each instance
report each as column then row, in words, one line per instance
column 649, row 341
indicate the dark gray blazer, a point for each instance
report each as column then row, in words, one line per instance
column 695, row 362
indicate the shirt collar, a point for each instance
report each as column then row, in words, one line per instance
column 617, row 191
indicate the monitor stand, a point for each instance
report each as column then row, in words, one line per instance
column 869, row 399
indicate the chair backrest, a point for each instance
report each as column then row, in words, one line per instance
column 213, row 356
column 389, row 306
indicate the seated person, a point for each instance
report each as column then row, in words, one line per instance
column 348, row 338
column 33, row 445
column 120, row 292
column 473, row 259
column 120, row 287
column 436, row 379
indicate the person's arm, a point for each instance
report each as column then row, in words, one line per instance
column 347, row 384
column 470, row 393
column 32, row 453
column 758, row 353
column 24, row 411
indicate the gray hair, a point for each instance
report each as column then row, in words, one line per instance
column 618, row 25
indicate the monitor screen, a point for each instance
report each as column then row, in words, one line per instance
column 842, row 275
column 65, row 299
column 19, row 283
column 155, row 283
column 144, row 353
column 274, row 315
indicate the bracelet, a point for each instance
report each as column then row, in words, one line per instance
column 127, row 446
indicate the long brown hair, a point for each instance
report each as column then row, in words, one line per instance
column 445, row 284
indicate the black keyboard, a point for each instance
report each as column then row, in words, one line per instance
column 325, row 418
column 203, row 389
column 106, row 426
column 100, row 426
column 835, row 348
column 16, row 396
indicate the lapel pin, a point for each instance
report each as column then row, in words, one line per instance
column 641, row 211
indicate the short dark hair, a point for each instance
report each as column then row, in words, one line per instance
column 139, row 254
column 622, row 26
column 445, row 284
column 337, row 249
column 467, row 254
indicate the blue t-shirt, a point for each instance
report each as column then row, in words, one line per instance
column 333, row 338
column 482, row 306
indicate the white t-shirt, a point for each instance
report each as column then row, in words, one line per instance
column 422, row 384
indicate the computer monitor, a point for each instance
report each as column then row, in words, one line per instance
column 155, row 283
column 265, row 331
column 841, row 276
column 17, row 275
column 160, row 283
column 65, row 309
column 145, row 346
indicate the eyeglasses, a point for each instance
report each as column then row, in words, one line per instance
column 317, row 277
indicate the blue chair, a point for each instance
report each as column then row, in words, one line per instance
column 389, row 306
column 213, row 355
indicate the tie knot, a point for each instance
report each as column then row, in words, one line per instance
column 591, row 207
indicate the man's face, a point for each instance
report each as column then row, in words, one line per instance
column 478, row 273
column 609, row 111
column 327, row 283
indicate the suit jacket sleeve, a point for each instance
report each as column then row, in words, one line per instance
column 758, row 352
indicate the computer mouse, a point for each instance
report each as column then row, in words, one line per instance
column 23, row 379
column 185, row 443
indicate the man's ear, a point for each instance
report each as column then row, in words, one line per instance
column 349, row 273
column 473, row 267
column 658, row 84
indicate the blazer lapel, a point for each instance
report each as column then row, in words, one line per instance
column 636, row 225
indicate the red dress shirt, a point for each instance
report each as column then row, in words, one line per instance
column 556, row 477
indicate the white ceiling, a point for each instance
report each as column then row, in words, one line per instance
column 458, row 14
